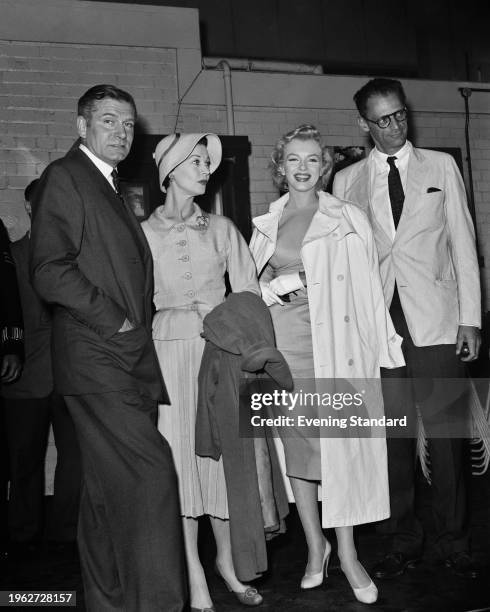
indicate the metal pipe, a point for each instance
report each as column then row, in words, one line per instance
column 250, row 65
column 466, row 93
column 472, row 89
column 228, row 96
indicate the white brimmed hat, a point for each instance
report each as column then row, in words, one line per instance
column 176, row 148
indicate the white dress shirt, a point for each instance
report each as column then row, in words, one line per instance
column 380, row 198
column 104, row 167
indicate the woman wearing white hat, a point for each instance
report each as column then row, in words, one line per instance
column 192, row 250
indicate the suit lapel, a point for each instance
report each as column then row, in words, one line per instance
column 416, row 177
column 99, row 179
column 126, row 215
column 134, row 225
column 360, row 192
column 119, row 206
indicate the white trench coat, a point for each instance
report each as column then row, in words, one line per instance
column 352, row 336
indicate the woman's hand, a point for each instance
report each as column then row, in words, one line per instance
column 286, row 283
column 269, row 296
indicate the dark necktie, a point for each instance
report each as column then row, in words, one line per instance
column 395, row 189
column 116, row 182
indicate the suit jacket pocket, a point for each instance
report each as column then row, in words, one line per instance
column 431, row 209
column 127, row 348
column 447, row 283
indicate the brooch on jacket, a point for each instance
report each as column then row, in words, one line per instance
column 202, row 222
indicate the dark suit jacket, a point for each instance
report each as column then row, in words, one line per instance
column 36, row 379
column 89, row 258
column 11, row 326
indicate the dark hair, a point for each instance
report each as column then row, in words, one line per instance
column 87, row 102
column 302, row 132
column 378, row 87
column 29, row 191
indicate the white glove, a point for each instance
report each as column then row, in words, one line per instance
column 269, row 296
column 286, row 283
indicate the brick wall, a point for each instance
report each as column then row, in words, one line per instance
column 41, row 84
column 339, row 127
column 480, row 154
column 42, row 81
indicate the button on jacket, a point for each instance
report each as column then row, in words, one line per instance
column 190, row 261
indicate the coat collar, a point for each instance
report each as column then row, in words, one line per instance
column 267, row 224
column 417, row 172
column 328, row 218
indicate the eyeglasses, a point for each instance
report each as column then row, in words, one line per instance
column 384, row 121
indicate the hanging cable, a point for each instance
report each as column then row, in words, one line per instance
column 181, row 99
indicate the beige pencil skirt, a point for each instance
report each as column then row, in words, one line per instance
column 292, row 329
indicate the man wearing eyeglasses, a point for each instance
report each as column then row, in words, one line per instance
column 416, row 202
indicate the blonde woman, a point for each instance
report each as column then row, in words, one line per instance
column 319, row 275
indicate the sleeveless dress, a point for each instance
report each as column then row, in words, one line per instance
column 190, row 260
column 292, row 328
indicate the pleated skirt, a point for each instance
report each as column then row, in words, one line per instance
column 292, row 329
column 202, row 485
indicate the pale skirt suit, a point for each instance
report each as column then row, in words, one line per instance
column 190, row 260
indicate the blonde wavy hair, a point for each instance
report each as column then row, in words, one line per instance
column 305, row 131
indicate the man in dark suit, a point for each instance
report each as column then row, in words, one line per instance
column 11, row 324
column 11, row 356
column 416, row 201
column 30, row 408
column 89, row 258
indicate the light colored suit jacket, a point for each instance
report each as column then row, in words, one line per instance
column 433, row 255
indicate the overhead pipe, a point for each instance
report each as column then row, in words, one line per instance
column 227, row 64
column 263, row 65
column 230, row 118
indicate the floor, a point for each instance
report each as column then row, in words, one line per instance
column 428, row 587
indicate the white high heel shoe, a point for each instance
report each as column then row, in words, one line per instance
column 310, row 581
column 367, row 594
